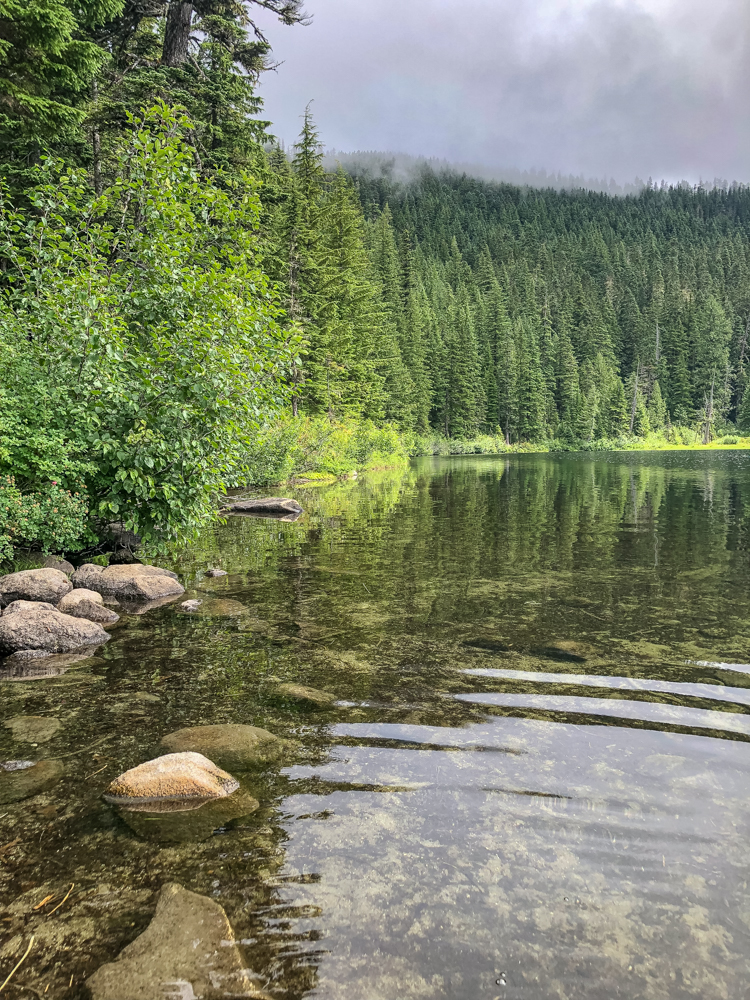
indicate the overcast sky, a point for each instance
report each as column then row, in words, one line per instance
column 607, row 88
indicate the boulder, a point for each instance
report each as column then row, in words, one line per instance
column 22, row 784
column 133, row 582
column 266, row 506
column 38, row 627
column 83, row 603
column 54, row 562
column 307, row 695
column 34, row 585
column 187, row 951
column 183, row 780
column 33, row 728
column 235, row 747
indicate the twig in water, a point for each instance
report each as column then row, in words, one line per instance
column 18, row 964
column 96, row 772
column 63, row 900
column 47, row 899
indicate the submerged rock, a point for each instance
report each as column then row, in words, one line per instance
column 32, row 626
column 266, row 506
column 182, row 780
column 235, row 747
column 33, row 728
column 307, row 695
column 23, row 783
column 216, row 572
column 169, row 825
column 83, row 603
column 133, row 582
column 187, row 951
column 34, row 585
column 221, row 607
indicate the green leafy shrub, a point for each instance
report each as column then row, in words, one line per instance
column 53, row 519
column 139, row 341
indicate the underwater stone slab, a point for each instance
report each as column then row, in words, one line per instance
column 307, row 695
column 235, row 747
column 34, row 585
column 38, row 627
column 33, row 728
column 168, row 824
column 183, row 779
column 18, row 785
column 186, row 951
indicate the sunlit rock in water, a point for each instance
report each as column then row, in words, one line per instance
column 22, row 783
column 234, row 747
column 34, row 585
column 181, row 780
column 186, row 952
column 174, row 823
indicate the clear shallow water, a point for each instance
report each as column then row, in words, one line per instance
column 535, row 783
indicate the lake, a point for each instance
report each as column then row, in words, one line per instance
column 533, row 781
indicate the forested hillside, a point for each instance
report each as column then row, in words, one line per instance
column 175, row 286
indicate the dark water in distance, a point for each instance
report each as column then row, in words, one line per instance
column 535, row 783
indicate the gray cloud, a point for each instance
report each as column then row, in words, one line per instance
column 607, row 88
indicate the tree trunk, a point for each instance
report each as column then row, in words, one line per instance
column 635, row 399
column 177, row 33
column 96, row 144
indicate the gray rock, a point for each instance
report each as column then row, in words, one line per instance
column 216, row 572
column 186, row 951
column 54, row 562
column 18, row 785
column 34, row 585
column 44, row 628
column 128, row 582
column 25, row 656
column 33, row 728
column 191, row 605
column 266, row 505
column 307, row 695
column 181, row 780
column 234, row 747
column 83, row 603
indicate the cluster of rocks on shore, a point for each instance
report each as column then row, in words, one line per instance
column 48, row 611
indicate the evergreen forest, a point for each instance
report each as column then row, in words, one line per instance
column 176, row 286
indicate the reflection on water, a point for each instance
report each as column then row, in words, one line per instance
column 533, row 782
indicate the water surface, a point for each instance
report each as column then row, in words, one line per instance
column 534, row 783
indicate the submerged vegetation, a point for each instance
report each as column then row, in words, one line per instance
column 186, row 307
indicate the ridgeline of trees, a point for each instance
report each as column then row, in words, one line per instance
column 172, row 280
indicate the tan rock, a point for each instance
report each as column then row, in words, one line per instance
column 234, row 747
column 34, row 585
column 28, row 606
column 55, row 562
column 186, row 951
column 35, row 626
column 186, row 778
column 83, row 603
column 266, row 506
column 129, row 582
